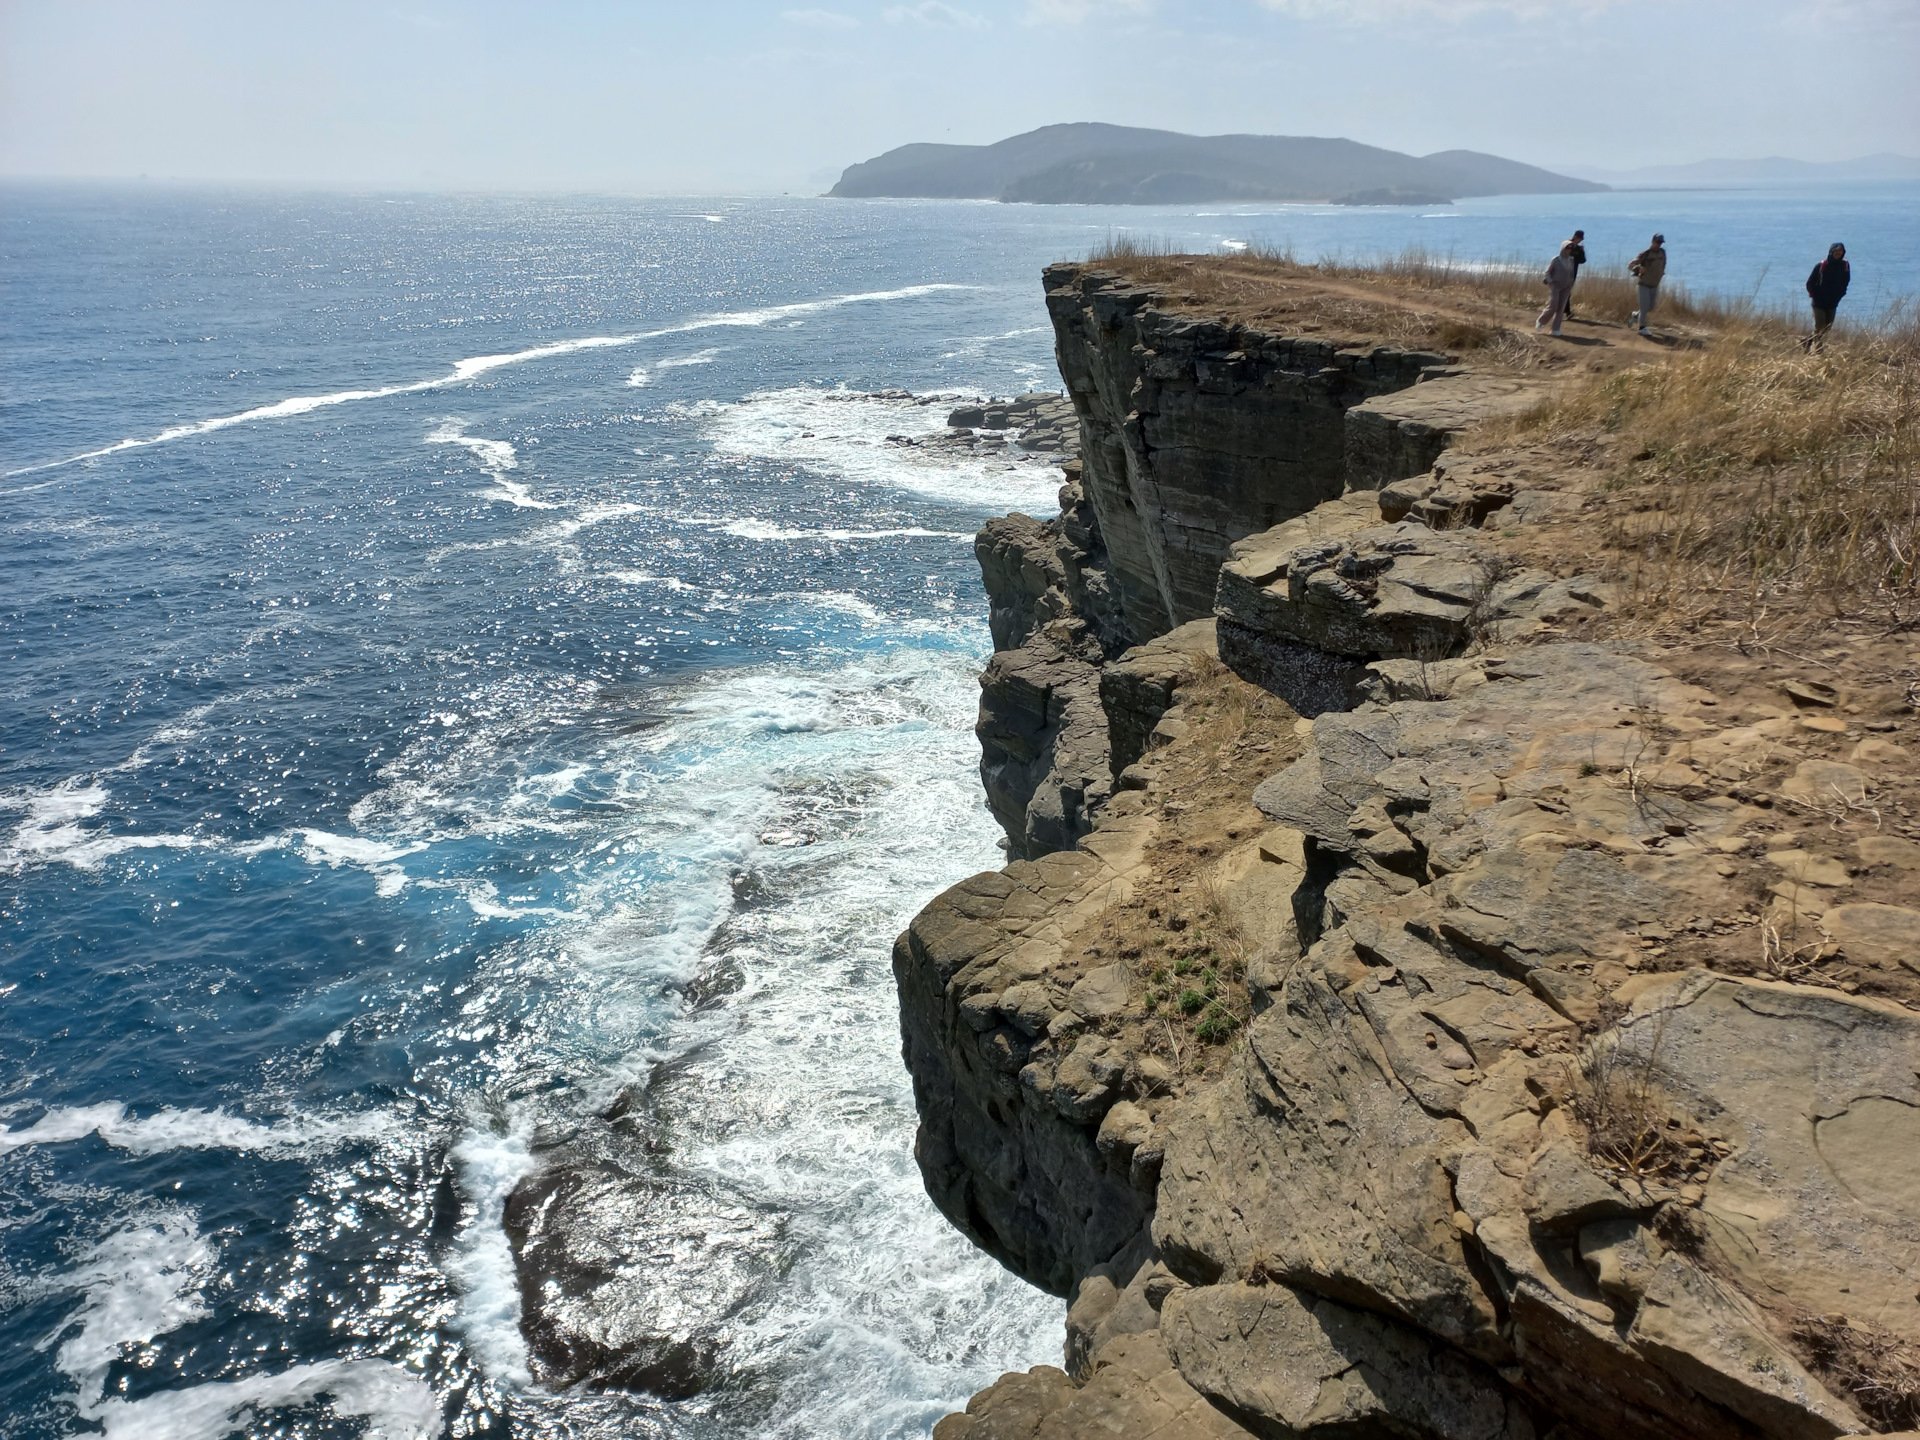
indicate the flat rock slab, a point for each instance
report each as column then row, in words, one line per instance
column 1392, row 436
column 1377, row 591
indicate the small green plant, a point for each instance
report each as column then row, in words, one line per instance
column 1217, row 1024
column 1192, row 1001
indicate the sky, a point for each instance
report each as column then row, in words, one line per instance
column 768, row 96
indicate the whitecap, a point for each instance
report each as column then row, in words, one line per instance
column 493, row 455
column 191, row 1129
column 474, row 366
column 496, row 458
column 766, row 530
column 647, row 577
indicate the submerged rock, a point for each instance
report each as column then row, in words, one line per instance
column 626, row 1281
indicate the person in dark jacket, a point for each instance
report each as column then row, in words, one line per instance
column 1826, row 287
column 1579, row 244
column 1649, row 268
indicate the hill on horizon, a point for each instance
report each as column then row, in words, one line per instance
column 1092, row 164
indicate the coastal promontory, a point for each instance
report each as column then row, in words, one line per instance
column 1457, row 970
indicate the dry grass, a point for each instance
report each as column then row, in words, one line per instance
column 1757, row 484
column 1515, row 285
column 1499, row 295
column 1629, row 1128
column 1878, row 1371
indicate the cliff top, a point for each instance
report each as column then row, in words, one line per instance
column 1483, row 314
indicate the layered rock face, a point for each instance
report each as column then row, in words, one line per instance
column 1478, row 1153
column 1194, row 435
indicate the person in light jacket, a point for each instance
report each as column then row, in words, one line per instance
column 1826, row 288
column 1579, row 244
column 1649, row 268
column 1559, row 277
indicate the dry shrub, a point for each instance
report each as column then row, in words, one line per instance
column 1629, row 1126
column 1878, row 1371
column 1762, row 481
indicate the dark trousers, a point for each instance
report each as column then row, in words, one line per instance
column 1822, row 322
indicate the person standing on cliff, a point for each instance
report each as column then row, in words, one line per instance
column 1827, row 287
column 1649, row 268
column 1579, row 244
column 1559, row 277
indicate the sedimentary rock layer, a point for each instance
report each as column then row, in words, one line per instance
column 1463, row 1162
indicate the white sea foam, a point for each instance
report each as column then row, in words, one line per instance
column 766, row 530
column 379, row 858
column 493, row 455
column 53, row 830
column 642, row 375
column 137, row 1284
column 645, row 577
column 496, row 458
column 803, row 1107
column 489, row 1162
column 475, row 366
column 148, row 1280
column 844, row 434
column 394, row 1403
column 192, row 1129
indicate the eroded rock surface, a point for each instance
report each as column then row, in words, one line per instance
column 1542, row 1117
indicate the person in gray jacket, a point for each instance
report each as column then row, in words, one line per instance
column 1559, row 277
column 1649, row 268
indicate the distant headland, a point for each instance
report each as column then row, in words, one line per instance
column 1087, row 164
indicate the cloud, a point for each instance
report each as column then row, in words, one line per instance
column 820, row 19
column 1364, row 12
column 1072, row 12
column 935, row 13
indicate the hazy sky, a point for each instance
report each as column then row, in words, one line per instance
column 755, row 95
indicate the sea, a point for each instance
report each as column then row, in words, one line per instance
column 469, row 661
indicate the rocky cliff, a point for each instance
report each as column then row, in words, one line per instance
column 1400, row 1016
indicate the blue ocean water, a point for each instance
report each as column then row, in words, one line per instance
column 440, row 639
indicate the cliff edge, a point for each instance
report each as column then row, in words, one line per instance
column 1455, row 978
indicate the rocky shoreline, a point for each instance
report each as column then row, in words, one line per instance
column 1358, row 1036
